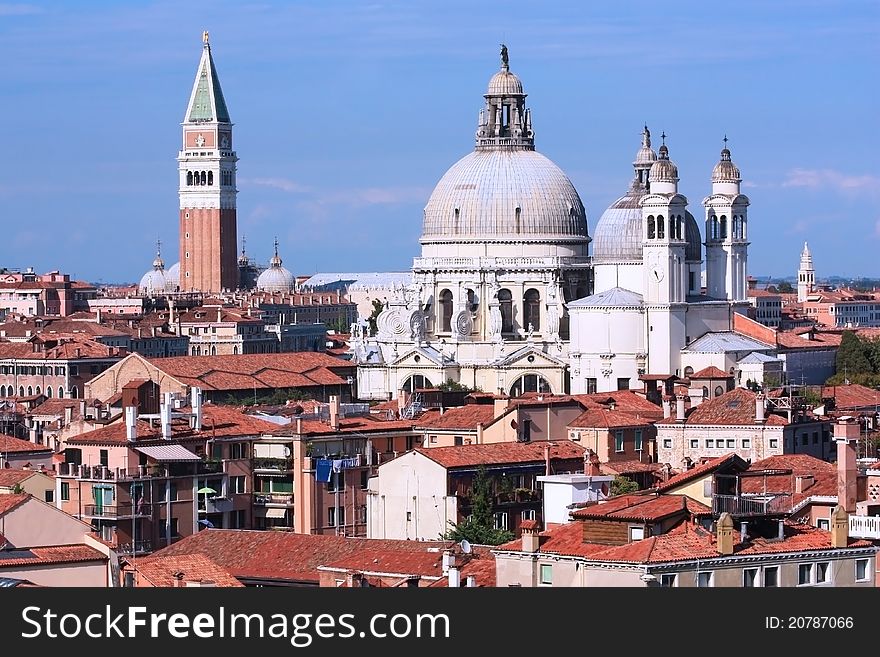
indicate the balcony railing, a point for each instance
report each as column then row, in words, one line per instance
column 104, row 473
column 117, row 510
column 272, row 465
column 763, row 505
column 864, row 527
column 267, row 499
column 136, row 547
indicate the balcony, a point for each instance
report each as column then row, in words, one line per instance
column 271, row 465
column 116, row 511
column 135, row 548
column 273, row 499
column 216, row 505
column 741, row 506
column 864, row 527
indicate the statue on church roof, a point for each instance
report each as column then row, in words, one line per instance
column 504, row 60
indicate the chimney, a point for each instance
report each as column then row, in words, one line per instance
column 402, row 401
column 196, row 404
column 299, row 426
column 334, row 412
column 68, row 415
column 846, row 433
column 97, row 315
column 130, row 423
column 471, row 581
column 165, row 416
column 591, row 464
column 803, row 482
column 743, row 532
column 724, row 540
column 454, row 577
column 448, row 561
column 547, row 459
column 501, row 406
column 839, row 527
column 531, row 541
column 760, row 417
column 679, row 408
column 667, row 409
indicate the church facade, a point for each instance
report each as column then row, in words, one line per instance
column 506, row 296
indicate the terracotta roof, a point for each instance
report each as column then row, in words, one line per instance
column 711, row 372
column 818, row 340
column 851, row 396
column 55, row 406
column 244, row 371
column 53, row 554
column 787, row 468
column 160, row 571
column 755, row 292
column 702, row 470
column 463, row 456
column 9, row 477
column 606, row 419
column 566, row 539
column 465, row 417
column 648, row 508
column 626, row 401
column 217, row 421
column 355, row 425
column 630, row 467
column 479, row 563
column 9, row 502
column 735, row 408
column 285, row 556
column 10, row 444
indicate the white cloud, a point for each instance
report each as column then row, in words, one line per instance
column 832, row 180
column 284, row 184
column 15, row 9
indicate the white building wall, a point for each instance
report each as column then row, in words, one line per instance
column 676, row 442
column 605, row 346
column 629, row 276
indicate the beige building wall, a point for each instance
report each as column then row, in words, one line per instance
column 548, row 423
column 35, row 523
column 57, row 575
column 695, row 489
column 37, row 485
column 133, row 366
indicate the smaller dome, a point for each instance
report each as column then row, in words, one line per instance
column 725, row 170
column 172, row 278
column 646, row 155
column 505, row 83
column 153, row 282
column 663, row 170
column 243, row 260
column 276, row 278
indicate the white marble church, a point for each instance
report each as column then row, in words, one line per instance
column 506, row 296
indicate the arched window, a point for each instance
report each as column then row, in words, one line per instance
column 30, row 391
column 204, row 178
column 688, row 371
column 532, row 309
column 48, row 391
column 734, row 227
column 713, row 230
column 37, row 390
column 518, row 219
column 651, row 226
column 719, row 391
column 235, row 350
column 189, row 177
column 529, row 383
column 60, row 392
column 213, row 351
column 210, row 177
column 679, row 231
column 445, row 311
column 21, row 391
column 416, row 382
column 723, row 226
column 661, row 230
column 74, row 393
column 2, row 391
column 705, row 392
column 505, row 302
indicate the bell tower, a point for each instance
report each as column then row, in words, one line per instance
column 207, row 166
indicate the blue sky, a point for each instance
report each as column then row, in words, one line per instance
column 347, row 113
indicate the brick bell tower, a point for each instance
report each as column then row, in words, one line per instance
column 207, row 164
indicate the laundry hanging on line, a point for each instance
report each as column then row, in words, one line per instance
column 323, row 469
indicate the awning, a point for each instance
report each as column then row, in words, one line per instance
column 168, row 453
column 275, row 513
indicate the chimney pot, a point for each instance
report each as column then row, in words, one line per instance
column 839, row 527
column 760, row 409
column 531, row 540
column 724, row 534
column 679, row 408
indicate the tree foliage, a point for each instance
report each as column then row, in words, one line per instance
column 454, row 386
column 858, row 361
column 621, row 485
column 479, row 526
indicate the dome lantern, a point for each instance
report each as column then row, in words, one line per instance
column 505, row 122
column 726, row 176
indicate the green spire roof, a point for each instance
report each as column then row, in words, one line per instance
column 207, row 102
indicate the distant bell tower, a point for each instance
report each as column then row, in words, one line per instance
column 207, row 166
column 806, row 275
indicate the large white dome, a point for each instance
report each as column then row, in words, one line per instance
column 172, row 278
column 504, row 195
column 153, row 282
column 276, row 278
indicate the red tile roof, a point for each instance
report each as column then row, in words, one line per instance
column 647, row 508
column 10, row 444
column 630, row 467
column 566, row 539
column 9, row 502
column 735, row 408
column 354, row 425
column 852, row 396
column 702, row 470
column 55, row 407
column 711, row 372
column 787, row 468
column 602, row 418
column 217, row 421
column 276, row 555
column 10, row 477
column 161, row 571
column 463, row 456
column 53, row 554
column 244, row 371
column 465, row 417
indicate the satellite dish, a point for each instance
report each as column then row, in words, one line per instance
column 465, row 546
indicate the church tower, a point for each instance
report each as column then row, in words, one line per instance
column 806, row 275
column 207, row 165
column 726, row 233
column 663, row 222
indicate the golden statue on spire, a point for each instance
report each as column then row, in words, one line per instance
column 205, row 36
